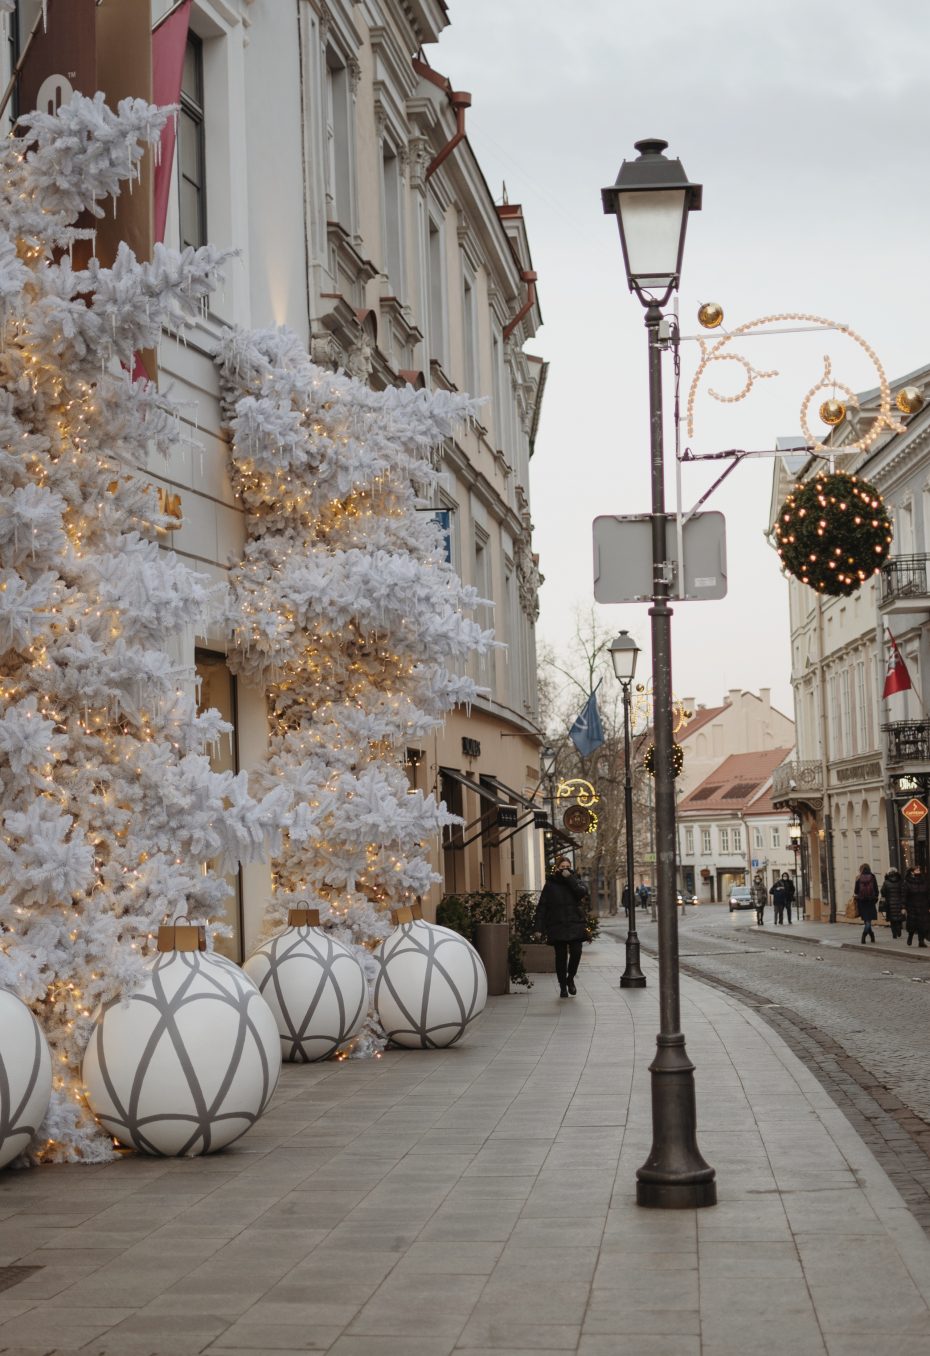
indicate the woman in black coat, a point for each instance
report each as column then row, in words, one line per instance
column 561, row 916
column 917, row 905
column 866, row 893
column 893, row 900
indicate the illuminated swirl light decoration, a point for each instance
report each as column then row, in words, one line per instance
column 578, row 790
column 715, row 351
column 642, row 709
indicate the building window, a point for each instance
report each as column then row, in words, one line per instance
column 757, row 840
column 864, row 724
column 737, row 840
column 689, row 842
column 436, row 297
column 776, row 838
column 705, row 842
column 393, row 219
column 847, row 713
column 483, row 585
column 217, row 690
column 469, row 333
column 338, row 159
column 724, row 840
column 192, row 183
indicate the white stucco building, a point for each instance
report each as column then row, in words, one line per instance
column 861, row 757
column 320, row 142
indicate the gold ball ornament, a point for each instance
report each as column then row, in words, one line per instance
column 909, row 400
column 710, row 315
column 833, row 412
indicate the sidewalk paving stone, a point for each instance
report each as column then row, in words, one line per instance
column 482, row 1200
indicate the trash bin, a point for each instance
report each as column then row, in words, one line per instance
column 492, row 941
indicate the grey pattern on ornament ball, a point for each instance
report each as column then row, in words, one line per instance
column 187, row 1063
column 316, row 989
column 25, row 1077
column 431, row 983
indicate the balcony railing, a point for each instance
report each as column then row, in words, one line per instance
column 908, row 741
column 905, row 577
column 794, row 780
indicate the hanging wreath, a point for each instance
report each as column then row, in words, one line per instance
column 833, row 532
column 678, row 759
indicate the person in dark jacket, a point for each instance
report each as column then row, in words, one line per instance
column 759, row 898
column 778, row 899
column 865, row 892
column 917, row 905
column 561, row 916
column 788, row 883
column 892, row 904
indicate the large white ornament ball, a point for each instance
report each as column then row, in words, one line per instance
column 25, row 1077
column 188, row 1062
column 431, row 984
column 316, row 989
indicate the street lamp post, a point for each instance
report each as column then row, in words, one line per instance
column 623, row 654
column 548, row 758
column 651, row 200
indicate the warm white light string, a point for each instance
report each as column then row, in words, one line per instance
column 713, row 352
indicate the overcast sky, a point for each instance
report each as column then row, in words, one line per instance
column 807, row 125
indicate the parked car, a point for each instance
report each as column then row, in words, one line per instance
column 741, row 898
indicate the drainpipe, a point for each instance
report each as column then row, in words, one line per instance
column 529, row 277
column 459, row 100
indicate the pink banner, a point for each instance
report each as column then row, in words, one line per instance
column 169, row 41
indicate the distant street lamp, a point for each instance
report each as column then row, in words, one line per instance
column 547, row 759
column 623, row 654
column 651, row 201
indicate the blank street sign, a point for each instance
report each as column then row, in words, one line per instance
column 623, row 558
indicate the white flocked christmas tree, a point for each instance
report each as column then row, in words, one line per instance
column 110, row 815
column 350, row 615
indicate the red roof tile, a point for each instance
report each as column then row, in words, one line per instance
column 745, row 773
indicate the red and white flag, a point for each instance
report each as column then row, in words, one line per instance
column 897, row 678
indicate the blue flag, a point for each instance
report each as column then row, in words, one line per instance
column 587, row 733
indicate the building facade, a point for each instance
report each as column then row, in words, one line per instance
column 730, row 830
column 362, row 221
column 744, row 722
column 860, row 756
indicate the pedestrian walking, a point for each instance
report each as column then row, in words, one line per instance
column 917, row 906
column 759, row 898
column 788, row 883
column 778, row 900
column 643, row 895
column 865, row 892
column 625, row 900
column 892, row 905
column 561, row 916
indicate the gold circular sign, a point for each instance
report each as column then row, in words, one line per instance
column 577, row 819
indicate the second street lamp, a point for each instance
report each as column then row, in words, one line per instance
column 651, row 200
column 623, row 655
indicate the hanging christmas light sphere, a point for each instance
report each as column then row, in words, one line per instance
column 833, row 532
column 909, row 400
column 678, row 759
column 710, row 315
column 833, row 412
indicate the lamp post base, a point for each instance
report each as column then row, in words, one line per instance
column 674, row 1176
column 632, row 977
